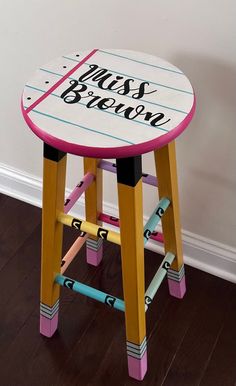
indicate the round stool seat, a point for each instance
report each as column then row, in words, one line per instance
column 108, row 103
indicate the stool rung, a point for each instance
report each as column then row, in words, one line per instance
column 78, row 191
column 91, row 292
column 158, row 278
column 155, row 218
column 111, row 167
column 89, row 227
column 157, row 236
column 72, row 252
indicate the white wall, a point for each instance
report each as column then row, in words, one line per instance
column 197, row 36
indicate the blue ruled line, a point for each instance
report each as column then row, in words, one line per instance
column 138, row 61
column 82, row 127
column 131, row 76
column 104, row 111
column 128, row 96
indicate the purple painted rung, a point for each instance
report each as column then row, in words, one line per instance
column 110, row 167
column 78, row 191
column 116, row 222
column 106, row 165
column 149, row 179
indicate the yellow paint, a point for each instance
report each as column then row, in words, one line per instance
column 165, row 159
column 93, row 194
column 132, row 250
column 52, row 231
column 88, row 227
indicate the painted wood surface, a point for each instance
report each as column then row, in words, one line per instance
column 93, row 209
column 93, row 194
column 108, row 102
column 132, row 250
column 53, row 201
column 165, row 160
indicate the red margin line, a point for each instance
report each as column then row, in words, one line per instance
column 60, row 81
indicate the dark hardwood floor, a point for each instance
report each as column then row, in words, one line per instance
column 190, row 341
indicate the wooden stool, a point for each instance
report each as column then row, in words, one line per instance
column 110, row 104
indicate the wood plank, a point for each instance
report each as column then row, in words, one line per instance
column 15, row 226
column 89, row 348
column 163, row 340
column 221, row 369
column 19, row 267
column 192, row 356
column 45, row 356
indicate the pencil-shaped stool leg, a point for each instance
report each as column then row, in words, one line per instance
column 93, row 208
column 52, row 232
column 165, row 160
column 129, row 174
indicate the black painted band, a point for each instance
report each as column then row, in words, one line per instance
column 52, row 153
column 129, row 170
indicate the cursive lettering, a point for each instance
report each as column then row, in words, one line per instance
column 78, row 91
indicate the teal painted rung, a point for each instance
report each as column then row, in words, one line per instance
column 158, row 278
column 155, row 218
column 91, row 292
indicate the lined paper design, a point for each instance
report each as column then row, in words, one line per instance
column 132, row 76
column 127, row 96
column 138, row 61
column 61, row 81
column 96, row 108
column 88, row 113
column 52, row 116
column 81, row 127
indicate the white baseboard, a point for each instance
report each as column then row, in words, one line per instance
column 199, row 252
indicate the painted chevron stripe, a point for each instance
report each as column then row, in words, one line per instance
column 136, row 350
column 176, row 275
column 94, row 244
column 47, row 311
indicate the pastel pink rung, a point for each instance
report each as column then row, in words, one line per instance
column 72, row 252
column 78, row 191
column 137, row 367
column 177, row 288
column 94, row 257
column 48, row 326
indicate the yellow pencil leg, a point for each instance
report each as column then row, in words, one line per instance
column 129, row 176
column 52, row 232
column 165, row 159
column 93, row 207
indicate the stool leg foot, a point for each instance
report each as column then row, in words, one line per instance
column 177, row 283
column 48, row 326
column 137, row 365
column 48, row 319
column 94, row 251
column 176, row 289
